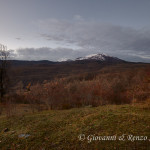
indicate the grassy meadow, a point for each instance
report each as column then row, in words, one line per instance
column 61, row 129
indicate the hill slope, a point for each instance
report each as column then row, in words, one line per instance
column 61, row 129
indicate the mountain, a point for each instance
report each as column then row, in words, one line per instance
column 39, row 71
column 64, row 60
column 22, row 63
column 100, row 57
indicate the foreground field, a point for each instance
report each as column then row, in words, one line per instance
column 62, row 129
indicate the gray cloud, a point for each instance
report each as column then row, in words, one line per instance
column 94, row 36
column 45, row 53
column 18, row 38
column 60, row 54
column 86, row 38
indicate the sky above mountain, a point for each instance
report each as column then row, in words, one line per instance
column 60, row 29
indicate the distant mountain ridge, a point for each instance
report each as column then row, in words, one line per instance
column 92, row 57
column 38, row 71
column 95, row 57
column 100, row 57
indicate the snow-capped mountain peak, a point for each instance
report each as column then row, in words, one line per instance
column 64, row 60
column 95, row 57
column 101, row 57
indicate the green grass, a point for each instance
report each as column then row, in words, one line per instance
column 59, row 129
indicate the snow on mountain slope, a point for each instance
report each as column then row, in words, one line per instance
column 100, row 57
column 97, row 57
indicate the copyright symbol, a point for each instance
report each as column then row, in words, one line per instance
column 81, row 137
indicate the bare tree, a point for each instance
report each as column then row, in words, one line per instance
column 3, row 70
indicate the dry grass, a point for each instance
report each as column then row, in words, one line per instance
column 59, row 129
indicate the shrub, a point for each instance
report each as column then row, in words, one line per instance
column 65, row 93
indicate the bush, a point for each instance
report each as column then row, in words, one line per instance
column 65, row 93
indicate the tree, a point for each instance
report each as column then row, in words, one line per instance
column 4, row 54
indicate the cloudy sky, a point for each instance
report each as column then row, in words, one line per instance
column 60, row 29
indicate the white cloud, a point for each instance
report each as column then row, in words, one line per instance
column 78, row 18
